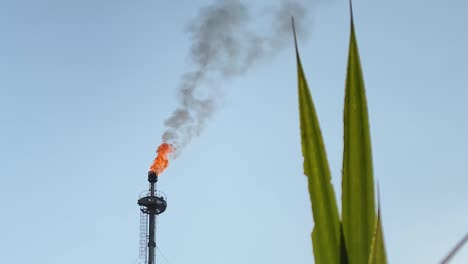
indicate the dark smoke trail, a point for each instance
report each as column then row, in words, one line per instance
column 224, row 45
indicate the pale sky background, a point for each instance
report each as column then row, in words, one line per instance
column 85, row 87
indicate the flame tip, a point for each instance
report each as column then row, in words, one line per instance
column 161, row 161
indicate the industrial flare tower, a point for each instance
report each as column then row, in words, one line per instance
column 151, row 204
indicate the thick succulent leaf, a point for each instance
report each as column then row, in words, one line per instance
column 358, row 205
column 326, row 233
column 343, row 251
column 378, row 254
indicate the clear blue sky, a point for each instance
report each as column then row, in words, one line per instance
column 86, row 85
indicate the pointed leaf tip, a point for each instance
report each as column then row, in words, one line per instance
column 326, row 233
column 358, row 206
column 378, row 254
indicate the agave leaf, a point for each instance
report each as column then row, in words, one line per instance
column 358, row 205
column 326, row 233
column 378, row 254
column 343, row 252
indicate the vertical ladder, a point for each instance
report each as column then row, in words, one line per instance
column 143, row 246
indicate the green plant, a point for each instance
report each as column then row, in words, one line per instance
column 357, row 238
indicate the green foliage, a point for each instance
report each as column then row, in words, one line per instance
column 377, row 251
column 358, row 238
column 358, row 206
column 326, row 233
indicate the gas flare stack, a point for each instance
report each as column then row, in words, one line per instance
column 152, row 204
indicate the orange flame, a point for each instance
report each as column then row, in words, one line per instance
column 161, row 161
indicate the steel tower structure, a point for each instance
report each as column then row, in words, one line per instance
column 151, row 205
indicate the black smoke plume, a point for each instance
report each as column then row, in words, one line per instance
column 225, row 45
